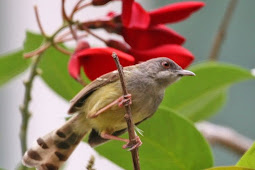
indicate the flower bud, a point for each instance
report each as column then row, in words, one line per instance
column 117, row 45
column 81, row 45
column 100, row 2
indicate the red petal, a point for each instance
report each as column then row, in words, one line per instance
column 177, row 53
column 126, row 11
column 133, row 15
column 98, row 61
column 74, row 67
column 152, row 37
column 174, row 12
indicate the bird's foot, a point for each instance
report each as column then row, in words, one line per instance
column 133, row 145
column 125, row 100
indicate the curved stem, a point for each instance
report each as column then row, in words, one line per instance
column 224, row 136
column 62, row 50
column 76, row 7
column 25, row 113
column 95, row 35
column 219, row 38
column 38, row 21
column 83, row 6
column 38, row 51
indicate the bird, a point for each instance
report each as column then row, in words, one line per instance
column 98, row 111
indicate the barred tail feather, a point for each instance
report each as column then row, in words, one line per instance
column 52, row 150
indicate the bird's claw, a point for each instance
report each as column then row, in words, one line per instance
column 132, row 145
column 125, row 100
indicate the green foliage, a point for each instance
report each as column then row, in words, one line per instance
column 11, row 65
column 55, row 74
column 32, row 41
column 201, row 96
column 248, row 159
column 169, row 142
column 229, row 168
column 54, row 67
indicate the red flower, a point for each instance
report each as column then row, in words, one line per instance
column 177, row 53
column 146, row 34
column 144, row 30
column 154, row 36
column 96, row 62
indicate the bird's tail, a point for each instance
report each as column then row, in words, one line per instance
column 53, row 149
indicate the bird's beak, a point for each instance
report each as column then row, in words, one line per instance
column 185, row 73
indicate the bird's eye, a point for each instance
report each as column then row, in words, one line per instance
column 165, row 64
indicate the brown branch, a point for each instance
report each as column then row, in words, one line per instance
column 76, row 7
column 70, row 38
column 225, row 136
column 64, row 16
column 128, row 115
column 39, row 22
column 93, row 34
column 62, row 36
column 75, row 37
column 81, row 81
column 219, row 38
column 25, row 113
column 38, row 51
column 84, row 6
column 62, row 50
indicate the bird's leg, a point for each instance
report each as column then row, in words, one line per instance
column 125, row 100
column 120, row 101
column 131, row 145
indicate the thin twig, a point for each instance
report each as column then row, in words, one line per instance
column 64, row 16
column 38, row 51
column 225, row 136
column 81, row 81
column 26, row 101
column 39, row 22
column 84, row 6
column 219, row 38
column 93, row 34
column 62, row 50
column 70, row 38
column 75, row 8
column 68, row 20
column 128, row 115
column 62, row 36
column 75, row 37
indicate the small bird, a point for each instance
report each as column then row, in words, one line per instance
column 97, row 110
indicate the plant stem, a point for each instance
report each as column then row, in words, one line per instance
column 219, row 38
column 26, row 101
column 128, row 115
column 224, row 136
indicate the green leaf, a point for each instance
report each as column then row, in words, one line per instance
column 248, row 159
column 229, row 168
column 55, row 74
column 54, row 68
column 32, row 42
column 11, row 65
column 201, row 96
column 169, row 142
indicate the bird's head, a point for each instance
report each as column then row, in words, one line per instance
column 165, row 71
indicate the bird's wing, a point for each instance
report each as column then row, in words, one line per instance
column 80, row 98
